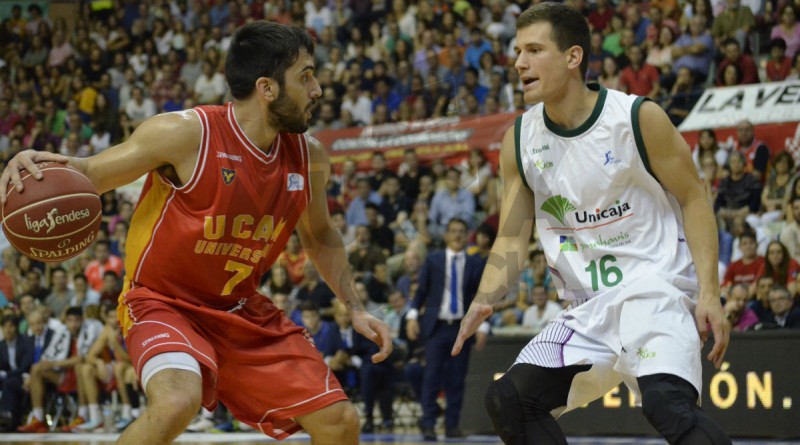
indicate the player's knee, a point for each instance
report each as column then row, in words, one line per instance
column 503, row 406
column 175, row 407
column 337, row 423
column 669, row 403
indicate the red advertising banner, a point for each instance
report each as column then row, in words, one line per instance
column 452, row 138
column 449, row 138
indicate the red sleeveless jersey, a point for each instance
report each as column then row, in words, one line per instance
column 210, row 240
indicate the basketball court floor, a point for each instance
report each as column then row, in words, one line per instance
column 375, row 439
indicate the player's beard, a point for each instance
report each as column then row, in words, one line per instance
column 286, row 116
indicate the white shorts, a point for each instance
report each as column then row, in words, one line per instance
column 644, row 328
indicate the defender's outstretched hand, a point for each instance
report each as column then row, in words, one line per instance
column 477, row 314
column 375, row 330
column 25, row 161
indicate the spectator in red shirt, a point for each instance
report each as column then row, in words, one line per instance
column 103, row 261
column 639, row 78
column 600, row 16
column 778, row 66
column 746, row 270
column 733, row 55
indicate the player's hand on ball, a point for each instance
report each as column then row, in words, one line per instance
column 375, row 330
column 477, row 314
column 25, row 161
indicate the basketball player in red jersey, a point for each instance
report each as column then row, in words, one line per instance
column 226, row 186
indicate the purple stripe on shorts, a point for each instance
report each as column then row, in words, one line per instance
column 547, row 348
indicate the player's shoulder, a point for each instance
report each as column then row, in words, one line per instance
column 316, row 149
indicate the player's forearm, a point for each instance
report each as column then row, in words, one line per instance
column 505, row 262
column 328, row 255
column 702, row 238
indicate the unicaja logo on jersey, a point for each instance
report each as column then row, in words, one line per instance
column 560, row 207
column 53, row 219
column 617, row 210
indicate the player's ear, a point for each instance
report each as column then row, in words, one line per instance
column 575, row 56
column 267, row 88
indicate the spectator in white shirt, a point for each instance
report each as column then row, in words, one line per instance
column 541, row 312
column 139, row 108
column 210, row 86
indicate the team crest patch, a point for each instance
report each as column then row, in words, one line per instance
column 228, row 175
column 294, row 182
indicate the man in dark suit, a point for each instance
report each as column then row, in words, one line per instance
column 16, row 357
column 781, row 313
column 448, row 282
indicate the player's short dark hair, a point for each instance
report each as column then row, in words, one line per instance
column 569, row 27
column 75, row 310
column 263, row 49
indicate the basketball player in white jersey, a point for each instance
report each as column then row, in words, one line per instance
column 610, row 185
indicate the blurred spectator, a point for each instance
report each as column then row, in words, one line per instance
column 659, row 55
column 139, row 108
column 795, row 74
column 694, row 49
column 377, row 284
column 746, row 270
column 731, row 76
column 313, row 289
column 414, row 226
column 639, row 78
column 760, row 293
column 780, row 266
column 613, row 35
column 60, row 295
column 192, row 67
column 782, row 312
column 325, row 333
column 609, row 77
column 393, row 201
column 385, row 96
column 756, row 152
column 735, row 22
column 412, row 261
column 732, row 50
column 600, row 16
column 541, row 311
column 779, row 65
column 683, row 97
column 379, row 171
column 638, row 24
column 60, row 51
column 358, row 104
column 707, row 145
column 16, row 358
column 476, row 173
column 449, row 203
column 790, row 233
column 210, row 86
column 83, row 295
column 739, row 315
column 293, row 259
column 109, row 293
column 739, row 193
column 103, row 261
column 365, row 254
column 788, row 28
column 356, row 209
column 478, row 46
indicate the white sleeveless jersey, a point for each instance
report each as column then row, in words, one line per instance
column 602, row 217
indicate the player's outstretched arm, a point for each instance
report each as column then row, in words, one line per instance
column 671, row 162
column 165, row 139
column 510, row 249
column 324, row 247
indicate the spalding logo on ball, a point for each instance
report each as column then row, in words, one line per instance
column 53, row 219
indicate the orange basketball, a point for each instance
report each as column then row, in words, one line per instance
column 55, row 218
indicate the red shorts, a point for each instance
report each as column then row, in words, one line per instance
column 261, row 365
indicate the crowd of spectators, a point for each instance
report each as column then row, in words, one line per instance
column 78, row 86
